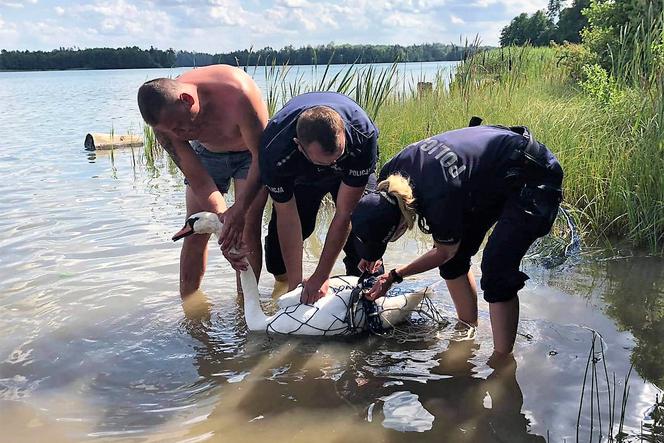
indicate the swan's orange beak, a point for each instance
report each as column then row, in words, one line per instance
column 184, row 232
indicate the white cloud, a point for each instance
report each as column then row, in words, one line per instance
column 401, row 20
column 294, row 3
column 6, row 27
column 224, row 25
column 222, row 15
column 513, row 6
column 456, row 20
column 112, row 9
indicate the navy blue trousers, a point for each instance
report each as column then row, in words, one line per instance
column 308, row 196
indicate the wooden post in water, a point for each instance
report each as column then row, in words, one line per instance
column 102, row 142
column 424, row 88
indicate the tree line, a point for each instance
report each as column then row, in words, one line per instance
column 604, row 27
column 94, row 58
column 135, row 57
column 555, row 24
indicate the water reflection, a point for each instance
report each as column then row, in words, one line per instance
column 375, row 387
column 635, row 298
column 166, row 372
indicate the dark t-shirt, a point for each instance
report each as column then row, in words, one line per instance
column 282, row 165
column 454, row 171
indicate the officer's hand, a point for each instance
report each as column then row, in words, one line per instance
column 380, row 288
column 369, row 266
column 313, row 290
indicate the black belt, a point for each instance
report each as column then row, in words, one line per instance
column 530, row 162
column 533, row 153
column 527, row 160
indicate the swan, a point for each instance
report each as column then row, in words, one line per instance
column 327, row 316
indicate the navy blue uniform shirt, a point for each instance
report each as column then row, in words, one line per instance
column 282, row 165
column 454, row 171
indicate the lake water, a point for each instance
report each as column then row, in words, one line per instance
column 97, row 346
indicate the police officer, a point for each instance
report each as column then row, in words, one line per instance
column 318, row 143
column 457, row 185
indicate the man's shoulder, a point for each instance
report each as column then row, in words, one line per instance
column 217, row 72
column 221, row 79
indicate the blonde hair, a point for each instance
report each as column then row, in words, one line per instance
column 398, row 186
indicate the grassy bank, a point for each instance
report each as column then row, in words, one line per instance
column 611, row 149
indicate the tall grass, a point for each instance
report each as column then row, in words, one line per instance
column 612, row 153
column 368, row 85
column 637, row 73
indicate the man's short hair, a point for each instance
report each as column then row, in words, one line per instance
column 153, row 96
column 321, row 124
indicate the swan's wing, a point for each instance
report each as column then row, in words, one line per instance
column 338, row 283
column 343, row 281
column 306, row 320
column 291, row 298
column 325, row 317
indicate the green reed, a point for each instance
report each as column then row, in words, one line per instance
column 152, row 150
column 598, row 408
column 612, row 153
column 369, row 86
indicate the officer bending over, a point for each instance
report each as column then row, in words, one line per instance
column 456, row 186
column 318, row 143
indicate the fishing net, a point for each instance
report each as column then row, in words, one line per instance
column 562, row 243
column 338, row 325
column 394, row 316
column 424, row 322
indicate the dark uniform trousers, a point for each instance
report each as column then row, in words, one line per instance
column 308, row 195
column 521, row 214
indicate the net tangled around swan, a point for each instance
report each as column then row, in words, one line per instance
column 362, row 315
column 338, row 327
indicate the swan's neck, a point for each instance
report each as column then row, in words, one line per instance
column 253, row 313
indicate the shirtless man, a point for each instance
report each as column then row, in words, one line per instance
column 219, row 110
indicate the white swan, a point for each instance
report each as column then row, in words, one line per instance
column 327, row 316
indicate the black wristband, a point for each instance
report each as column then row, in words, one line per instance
column 396, row 278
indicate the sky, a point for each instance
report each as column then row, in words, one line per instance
column 216, row 26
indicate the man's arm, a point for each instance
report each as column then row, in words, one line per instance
column 252, row 123
column 290, row 240
column 201, row 183
column 438, row 256
column 337, row 235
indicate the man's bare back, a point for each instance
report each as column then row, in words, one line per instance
column 222, row 109
column 221, row 89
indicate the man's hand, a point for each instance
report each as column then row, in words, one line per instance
column 237, row 257
column 231, row 234
column 369, row 266
column 313, row 289
column 380, row 288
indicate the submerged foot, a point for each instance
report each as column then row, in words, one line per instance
column 280, row 286
column 463, row 331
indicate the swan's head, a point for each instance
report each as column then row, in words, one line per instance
column 199, row 223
